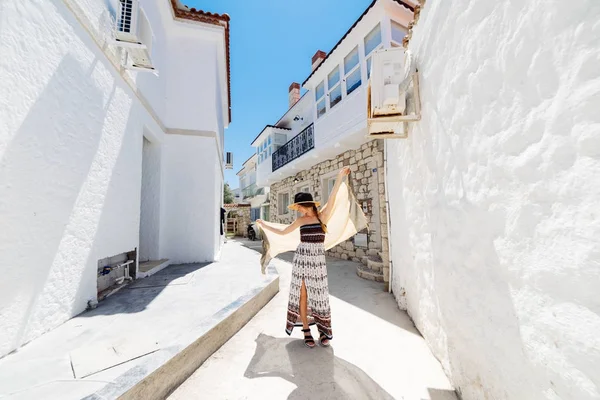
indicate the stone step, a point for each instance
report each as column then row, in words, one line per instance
column 375, row 263
column 149, row 268
column 369, row 274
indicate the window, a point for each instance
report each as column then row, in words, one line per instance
column 373, row 39
column 352, row 71
column 335, row 89
column 283, row 203
column 320, row 98
column 328, row 184
column 398, row 32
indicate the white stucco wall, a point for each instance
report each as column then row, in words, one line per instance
column 71, row 140
column 494, row 197
column 70, row 136
column 190, row 223
column 150, row 201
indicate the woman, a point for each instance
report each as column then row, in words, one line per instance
column 309, row 291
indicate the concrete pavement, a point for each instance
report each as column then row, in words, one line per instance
column 376, row 353
column 146, row 339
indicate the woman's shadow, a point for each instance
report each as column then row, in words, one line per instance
column 317, row 373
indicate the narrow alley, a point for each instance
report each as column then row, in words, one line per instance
column 377, row 353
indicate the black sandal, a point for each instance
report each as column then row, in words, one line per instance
column 308, row 339
column 324, row 337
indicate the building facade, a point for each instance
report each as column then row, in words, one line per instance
column 494, row 198
column 250, row 193
column 326, row 129
column 111, row 139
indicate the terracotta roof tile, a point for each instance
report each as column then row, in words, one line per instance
column 193, row 14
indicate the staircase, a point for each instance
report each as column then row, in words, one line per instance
column 372, row 267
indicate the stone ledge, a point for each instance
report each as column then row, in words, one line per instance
column 371, row 275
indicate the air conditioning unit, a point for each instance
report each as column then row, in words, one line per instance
column 392, row 94
column 228, row 160
column 133, row 33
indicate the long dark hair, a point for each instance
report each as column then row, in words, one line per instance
column 318, row 215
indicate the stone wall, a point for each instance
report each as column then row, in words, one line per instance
column 494, row 197
column 367, row 181
column 241, row 213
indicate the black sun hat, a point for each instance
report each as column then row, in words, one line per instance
column 302, row 199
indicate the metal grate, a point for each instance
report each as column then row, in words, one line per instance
column 124, row 23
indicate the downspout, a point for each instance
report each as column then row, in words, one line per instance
column 387, row 209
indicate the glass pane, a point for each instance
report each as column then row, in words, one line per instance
column 269, row 152
column 321, row 109
column 353, row 81
column 320, row 90
column 398, row 32
column 351, row 60
column 330, row 185
column 269, row 140
column 373, row 39
column 335, row 96
column 333, row 78
column 369, row 67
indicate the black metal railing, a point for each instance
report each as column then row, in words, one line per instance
column 294, row 148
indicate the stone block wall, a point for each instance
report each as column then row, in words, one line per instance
column 367, row 181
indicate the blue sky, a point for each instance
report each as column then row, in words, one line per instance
column 272, row 43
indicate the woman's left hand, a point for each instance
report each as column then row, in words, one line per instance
column 344, row 171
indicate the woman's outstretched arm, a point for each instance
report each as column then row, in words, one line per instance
column 290, row 228
column 328, row 209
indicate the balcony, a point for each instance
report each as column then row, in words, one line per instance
column 294, row 148
column 251, row 191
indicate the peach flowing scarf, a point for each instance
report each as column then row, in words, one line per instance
column 347, row 218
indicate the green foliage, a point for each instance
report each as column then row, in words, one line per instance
column 228, row 196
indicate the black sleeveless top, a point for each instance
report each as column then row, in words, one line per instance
column 312, row 233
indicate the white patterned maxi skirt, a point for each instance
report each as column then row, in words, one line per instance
column 309, row 265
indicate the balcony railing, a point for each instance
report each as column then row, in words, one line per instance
column 251, row 191
column 294, row 148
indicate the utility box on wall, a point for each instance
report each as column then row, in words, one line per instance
column 393, row 94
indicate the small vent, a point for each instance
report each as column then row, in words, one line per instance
column 228, row 160
column 125, row 21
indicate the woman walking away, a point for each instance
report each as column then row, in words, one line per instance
column 309, row 291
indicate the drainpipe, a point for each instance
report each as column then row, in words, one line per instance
column 387, row 209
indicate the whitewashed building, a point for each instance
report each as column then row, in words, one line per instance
column 326, row 129
column 494, row 197
column 251, row 194
column 112, row 115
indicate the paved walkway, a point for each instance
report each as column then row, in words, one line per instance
column 102, row 353
column 376, row 353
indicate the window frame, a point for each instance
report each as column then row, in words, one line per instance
column 353, row 70
column 325, row 179
column 369, row 55
column 285, row 211
column 336, row 86
column 394, row 42
column 322, row 99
